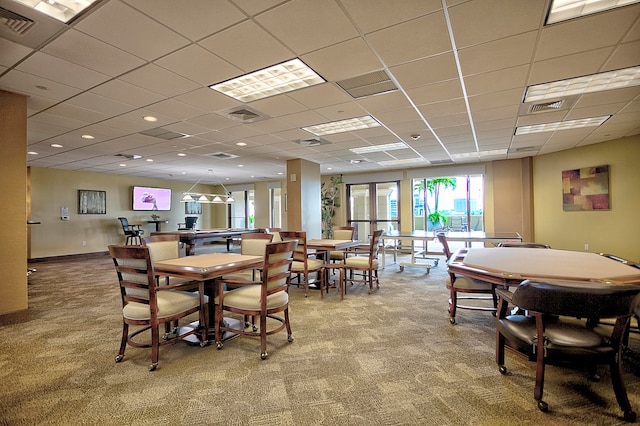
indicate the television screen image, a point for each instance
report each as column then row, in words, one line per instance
column 146, row 198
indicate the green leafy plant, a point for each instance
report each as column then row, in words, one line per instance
column 330, row 201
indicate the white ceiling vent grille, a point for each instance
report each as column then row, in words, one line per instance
column 446, row 161
column 244, row 114
column 17, row 23
column 549, row 106
column 312, row 142
column 161, row 133
column 525, row 149
column 374, row 83
column 222, row 155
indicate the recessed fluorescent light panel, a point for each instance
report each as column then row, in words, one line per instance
column 562, row 10
column 270, row 81
column 626, row 77
column 62, row 10
column 379, row 148
column 403, row 162
column 348, row 125
column 562, row 125
column 479, row 154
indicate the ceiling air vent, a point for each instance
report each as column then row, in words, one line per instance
column 17, row 23
column 446, row 161
column 549, row 106
column 374, row 83
column 161, row 133
column 359, row 161
column 312, row 142
column 222, row 155
column 524, row 149
column 244, row 114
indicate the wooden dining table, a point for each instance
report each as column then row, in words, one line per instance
column 325, row 246
column 207, row 268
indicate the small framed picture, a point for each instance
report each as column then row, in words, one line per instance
column 92, row 202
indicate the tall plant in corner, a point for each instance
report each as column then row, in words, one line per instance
column 330, row 201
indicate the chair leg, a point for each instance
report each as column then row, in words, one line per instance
column 453, row 303
column 263, row 336
column 123, row 341
column 155, row 346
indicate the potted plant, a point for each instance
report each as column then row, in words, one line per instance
column 330, row 200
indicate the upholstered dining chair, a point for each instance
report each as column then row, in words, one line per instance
column 365, row 266
column 465, row 288
column 132, row 232
column 303, row 263
column 189, row 223
column 556, row 329
column 252, row 244
column 341, row 233
column 264, row 299
column 148, row 305
column 163, row 247
column 275, row 232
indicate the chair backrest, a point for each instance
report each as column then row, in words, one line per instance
column 300, row 253
column 343, row 232
column 135, row 274
column 445, row 245
column 190, row 222
column 253, row 244
column 577, row 299
column 276, row 270
column 524, row 244
column 275, row 232
column 125, row 225
column 374, row 244
column 163, row 247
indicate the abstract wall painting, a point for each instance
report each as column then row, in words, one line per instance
column 585, row 189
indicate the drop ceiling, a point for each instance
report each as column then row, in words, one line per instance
column 452, row 77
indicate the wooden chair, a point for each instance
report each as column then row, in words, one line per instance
column 132, row 232
column 252, row 244
column 275, row 232
column 146, row 304
column 366, row 266
column 189, row 223
column 341, row 233
column 472, row 289
column 556, row 329
column 303, row 264
column 262, row 299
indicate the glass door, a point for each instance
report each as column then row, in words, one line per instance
column 242, row 210
column 373, row 206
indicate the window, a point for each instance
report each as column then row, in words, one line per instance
column 450, row 203
column 373, row 206
column 242, row 210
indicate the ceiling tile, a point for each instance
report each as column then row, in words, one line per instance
column 120, row 25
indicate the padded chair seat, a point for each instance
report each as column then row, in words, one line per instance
column 467, row 283
column 336, row 255
column 170, row 302
column 360, row 262
column 312, row 264
column 563, row 334
column 248, row 298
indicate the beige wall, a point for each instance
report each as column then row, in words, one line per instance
column 52, row 189
column 615, row 231
column 13, row 187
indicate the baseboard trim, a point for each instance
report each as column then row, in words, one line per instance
column 69, row 257
column 14, row 317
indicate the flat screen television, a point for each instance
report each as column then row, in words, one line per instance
column 146, row 198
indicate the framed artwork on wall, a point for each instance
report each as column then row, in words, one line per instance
column 192, row 207
column 92, row 202
column 585, row 189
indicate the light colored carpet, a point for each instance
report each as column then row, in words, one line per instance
column 389, row 358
